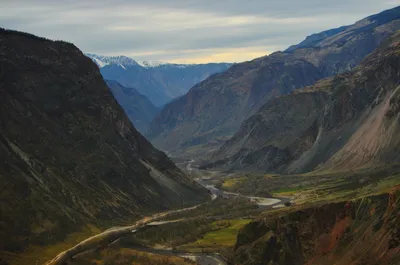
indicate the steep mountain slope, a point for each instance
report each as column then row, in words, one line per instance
column 214, row 109
column 316, row 38
column 69, row 156
column 345, row 122
column 160, row 82
column 323, row 38
column 138, row 108
column 363, row 231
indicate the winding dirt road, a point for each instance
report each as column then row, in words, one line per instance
column 111, row 235
column 107, row 237
column 199, row 258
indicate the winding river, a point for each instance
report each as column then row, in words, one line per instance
column 115, row 233
column 199, row 258
column 215, row 192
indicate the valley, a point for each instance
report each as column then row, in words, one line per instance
column 291, row 158
column 312, row 192
column 114, row 234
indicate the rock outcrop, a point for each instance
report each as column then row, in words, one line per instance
column 363, row 231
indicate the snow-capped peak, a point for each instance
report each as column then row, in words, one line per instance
column 102, row 61
column 150, row 64
column 99, row 62
column 125, row 62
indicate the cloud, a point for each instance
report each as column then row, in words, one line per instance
column 183, row 30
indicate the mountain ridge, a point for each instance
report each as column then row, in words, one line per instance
column 317, row 39
column 212, row 111
column 70, row 158
column 343, row 122
column 102, row 60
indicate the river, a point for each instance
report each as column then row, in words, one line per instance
column 260, row 201
column 115, row 233
column 199, row 258
column 206, row 258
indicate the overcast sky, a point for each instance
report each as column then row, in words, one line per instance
column 184, row 31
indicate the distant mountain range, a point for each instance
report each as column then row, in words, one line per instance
column 213, row 111
column 159, row 81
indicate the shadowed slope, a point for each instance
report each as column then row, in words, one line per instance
column 138, row 107
column 68, row 154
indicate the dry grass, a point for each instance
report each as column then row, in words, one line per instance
column 40, row 254
column 221, row 237
column 230, row 183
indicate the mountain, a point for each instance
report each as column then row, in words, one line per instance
column 349, row 121
column 138, row 108
column 121, row 61
column 323, row 38
column 213, row 110
column 70, row 158
column 159, row 81
column 315, row 39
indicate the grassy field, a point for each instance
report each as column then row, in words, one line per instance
column 221, row 237
column 232, row 183
column 349, row 187
column 287, row 191
column 316, row 186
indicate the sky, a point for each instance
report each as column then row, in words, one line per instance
column 184, row 31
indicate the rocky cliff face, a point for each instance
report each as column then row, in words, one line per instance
column 69, row 156
column 346, row 122
column 215, row 108
column 364, row 231
column 138, row 107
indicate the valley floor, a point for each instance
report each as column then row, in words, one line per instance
column 207, row 233
column 182, row 215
